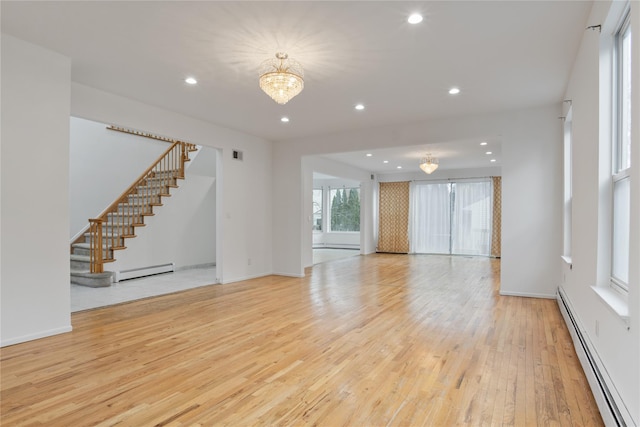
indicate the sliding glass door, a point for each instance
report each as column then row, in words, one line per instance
column 451, row 218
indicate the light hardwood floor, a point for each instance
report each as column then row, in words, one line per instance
column 368, row 341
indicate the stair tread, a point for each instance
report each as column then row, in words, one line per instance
column 87, row 246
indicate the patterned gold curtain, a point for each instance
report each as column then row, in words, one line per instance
column 496, row 235
column 393, row 233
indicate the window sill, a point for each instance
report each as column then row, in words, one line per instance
column 616, row 302
column 568, row 261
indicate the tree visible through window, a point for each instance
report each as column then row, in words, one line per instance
column 317, row 209
column 345, row 209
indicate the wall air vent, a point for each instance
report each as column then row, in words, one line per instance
column 237, row 155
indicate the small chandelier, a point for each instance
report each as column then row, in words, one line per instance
column 428, row 164
column 281, row 78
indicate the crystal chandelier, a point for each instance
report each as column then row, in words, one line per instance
column 428, row 164
column 281, row 78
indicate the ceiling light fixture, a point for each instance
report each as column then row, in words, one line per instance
column 398, row 167
column 493, row 160
column 428, row 164
column 369, row 154
column 385, row 161
column 483, row 143
column 281, row 78
column 454, row 91
column 359, row 107
column 190, row 80
column 488, row 152
column 284, row 119
column 414, row 18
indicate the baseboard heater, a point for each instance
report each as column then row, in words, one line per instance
column 603, row 395
column 143, row 271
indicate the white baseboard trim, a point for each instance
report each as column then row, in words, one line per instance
column 242, row 278
column 527, row 295
column 196, row 266
column 142, row 272
column 31, row 337
column 336, row 246
column 288, row 275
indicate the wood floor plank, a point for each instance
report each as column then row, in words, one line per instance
column 374, row 340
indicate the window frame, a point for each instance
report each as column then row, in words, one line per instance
column 620, row 169
column 322, row 211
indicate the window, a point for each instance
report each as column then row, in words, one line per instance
column 451, row 218
column 317, row 209
column 621, row 143
column 345, row 209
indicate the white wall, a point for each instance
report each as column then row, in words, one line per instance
column 531, row 203
column 617, row 345
column 35, row 174
column 102, row 164
column 442, row 174
column 244, row 210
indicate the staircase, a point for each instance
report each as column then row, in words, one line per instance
column 107, row 234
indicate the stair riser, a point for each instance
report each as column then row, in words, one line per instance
column 133, row 210
column 155, row 190
column 96, row 281
column 108, row 241
column 172, row 173
column 162, row 180
column 80, row 265
column 127, row 228
column 118, row 222
column 106, row 253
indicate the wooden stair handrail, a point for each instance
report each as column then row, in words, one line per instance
column 150, row 186
column 137, row 181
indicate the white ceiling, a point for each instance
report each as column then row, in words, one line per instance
column 502, row 54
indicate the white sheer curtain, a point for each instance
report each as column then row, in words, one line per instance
column 451, row 218
column 471, row 223
column 430, row 218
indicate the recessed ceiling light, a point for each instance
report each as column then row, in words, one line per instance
column 493, row 160
column 488, row 152
column 369, row 154
column 483, row 143
column 190, row 80
column 398, row 167
column 414, row 18
column 359, row 107
column 454, row 91
column 385, row 161
column 284, row 119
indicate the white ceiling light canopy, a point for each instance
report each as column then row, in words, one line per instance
column 428, row 164
column 281, row 78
